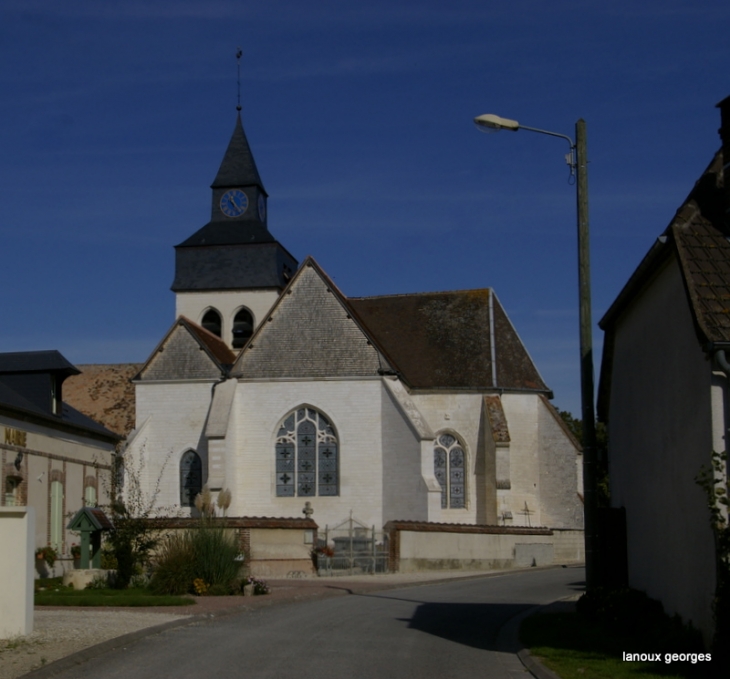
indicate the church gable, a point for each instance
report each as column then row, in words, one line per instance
column 310, row 333
column 183, row 355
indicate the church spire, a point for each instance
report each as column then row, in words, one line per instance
column 238, row 167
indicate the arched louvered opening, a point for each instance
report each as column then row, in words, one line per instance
column 212, row 322
column 242, row 328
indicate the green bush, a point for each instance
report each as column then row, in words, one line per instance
column 175, row 569
column 205, row 554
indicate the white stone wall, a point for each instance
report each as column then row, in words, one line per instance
column 472, row 551
column 354, row 409
column 170, row 420
column 405, row 492
column 660, row 434
column 559, row 484
column 521, row 411
column 460, row 415
column 193, row 305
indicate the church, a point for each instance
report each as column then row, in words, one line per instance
column 275, row 384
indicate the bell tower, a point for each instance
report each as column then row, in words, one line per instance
column 230, row 272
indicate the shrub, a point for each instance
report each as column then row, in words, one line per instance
column 47, row 554
column 201, row 560
column 175, row 570
column 215, row 551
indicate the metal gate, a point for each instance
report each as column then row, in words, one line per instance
column 352, row 548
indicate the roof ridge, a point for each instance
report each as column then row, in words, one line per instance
column 422, row 293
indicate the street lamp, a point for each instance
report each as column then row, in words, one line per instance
column 577, row 160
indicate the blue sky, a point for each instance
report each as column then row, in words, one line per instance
column 114, row 117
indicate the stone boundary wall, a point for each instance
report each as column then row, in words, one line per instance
column 420, row 546
column 274, row 548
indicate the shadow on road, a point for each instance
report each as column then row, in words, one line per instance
column 475, row 625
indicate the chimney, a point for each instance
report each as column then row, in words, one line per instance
column 724, row 107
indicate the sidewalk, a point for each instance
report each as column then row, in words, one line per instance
column 64, row 636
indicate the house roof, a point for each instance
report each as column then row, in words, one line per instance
column 698, row 238
column 35, row 361
column 25, row 365
column 444, row 340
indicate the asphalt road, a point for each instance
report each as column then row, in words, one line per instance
column 442, row 631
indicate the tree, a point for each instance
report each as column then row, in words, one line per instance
column 576, row 428
column 134, row 513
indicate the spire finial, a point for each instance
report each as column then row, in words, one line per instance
column 239, row 53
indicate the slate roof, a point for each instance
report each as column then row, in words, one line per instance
column 311, row 332
column 178, row 355
column 17, row 405
column 105, row 393
column 238, row 167
column 441, row 340
column 35, row 361
column 235, row 266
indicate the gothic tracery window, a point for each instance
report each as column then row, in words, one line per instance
column 449, row 464
column 306, row 456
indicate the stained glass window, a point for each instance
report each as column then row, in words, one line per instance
column 449, row 465
column 191, row 478
column 306, row 456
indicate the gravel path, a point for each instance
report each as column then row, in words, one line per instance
column 58, row 633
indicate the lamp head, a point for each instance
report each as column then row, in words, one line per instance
column 493, row 123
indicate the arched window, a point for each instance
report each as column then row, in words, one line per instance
column 306, row 456
column 191, row 478
column 449, row 465
column 242, row 328
column 212, row 322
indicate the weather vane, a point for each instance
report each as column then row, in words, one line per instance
column 239, row 53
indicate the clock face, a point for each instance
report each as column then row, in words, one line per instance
column 262, row 208
column 234, row 203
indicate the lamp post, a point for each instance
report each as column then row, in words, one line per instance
column 578, row 162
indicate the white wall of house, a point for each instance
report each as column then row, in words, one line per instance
column 54, row 455
column 660, row 435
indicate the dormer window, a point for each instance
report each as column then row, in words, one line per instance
column 212, row 322
column 242, row 328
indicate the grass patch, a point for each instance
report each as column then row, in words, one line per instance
column 63, row 596
column 577, row 648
